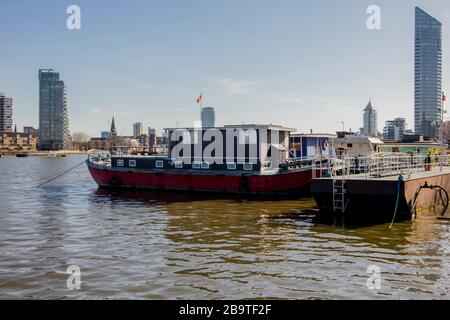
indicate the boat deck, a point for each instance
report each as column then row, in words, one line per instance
column 386, row 176
column 371, row 185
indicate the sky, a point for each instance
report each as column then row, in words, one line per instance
column 305, row 64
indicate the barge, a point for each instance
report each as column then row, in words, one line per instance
column 247, row 159
column 399, row 185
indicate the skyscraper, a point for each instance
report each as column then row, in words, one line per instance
column 370, row 127
column 54, row 131
column 427, row 73
column 138, row 129
column 208, row 117
column 6, row 113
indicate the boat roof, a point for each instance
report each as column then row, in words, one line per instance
column 314, row 135
column 421, row 143
column 360, row 139
column 242, row 126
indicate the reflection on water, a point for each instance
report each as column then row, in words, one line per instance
column 166, row 245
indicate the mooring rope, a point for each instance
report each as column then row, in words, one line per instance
column 399, row 183
column 61, row 174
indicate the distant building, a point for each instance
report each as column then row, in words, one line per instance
column 6, row 113
column 31, row 130
column 54, row 131
column 164, row 138
column 15, row 141
column 427, row 73
column 100, row 144
column 131, row 142
column 394, row 130
column 138, row 129
column 370, row 127
column 152, row 137
column 113, row 128
column 105, row 135
column 208, row 117
column 144, row 140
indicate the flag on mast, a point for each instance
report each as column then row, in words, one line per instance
column 444, row 99
column 200, row 99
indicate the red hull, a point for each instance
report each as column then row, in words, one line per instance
column 209, row 182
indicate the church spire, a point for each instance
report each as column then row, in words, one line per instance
column 113, row 126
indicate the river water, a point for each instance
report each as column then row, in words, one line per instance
column 146, row 245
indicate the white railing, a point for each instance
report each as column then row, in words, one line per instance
column 380, row 165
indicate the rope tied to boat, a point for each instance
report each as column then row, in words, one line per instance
column 61, row 174
column 399, row 185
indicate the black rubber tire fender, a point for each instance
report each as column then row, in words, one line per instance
column 243, row 184
column 115, row 181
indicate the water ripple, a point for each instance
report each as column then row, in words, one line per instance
column 148, row 245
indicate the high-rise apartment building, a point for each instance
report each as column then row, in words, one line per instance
column 54, row 131
column 370, row 127
column 427, row 73
column 208, row 117
column 138, row 129
column 6, row 113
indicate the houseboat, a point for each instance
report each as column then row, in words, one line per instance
column 242, row 159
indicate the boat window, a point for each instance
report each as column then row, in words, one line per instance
column 120, row 163
column 205, row 165
column 248, row 166
column 196, row 165
column 179, row 164
column 231, row 165
column 159, row 164
column 132, row 163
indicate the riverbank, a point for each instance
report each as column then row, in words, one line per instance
column 62, row 153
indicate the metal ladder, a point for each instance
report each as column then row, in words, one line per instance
column 339, row 195
column 339, row 190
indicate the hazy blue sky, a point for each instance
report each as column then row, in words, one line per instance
column 300, row 63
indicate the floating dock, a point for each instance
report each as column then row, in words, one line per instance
column 382, row 186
